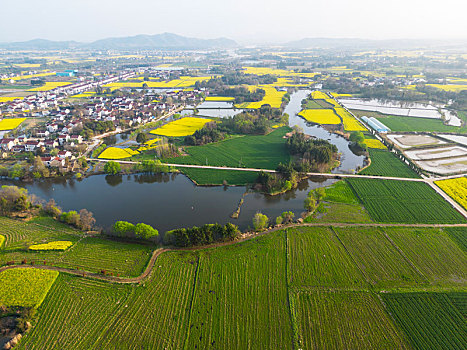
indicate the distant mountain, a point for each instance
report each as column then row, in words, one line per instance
column 138, row 42
column 161, row 41
column 349, row 43
column 40, row 44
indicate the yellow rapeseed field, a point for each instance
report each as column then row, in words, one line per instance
column 374, row 143
column 449, row 87
column 319, row 95
column 117, row 153
column 10, row 124
column 30, row 76
column 456, row 189
column 272, row 98
column 181, row 127
column 220, row 98
column 320, row 116
column 50, row 85
column 350, row 123
column 56, row 245
column 335, row 94
column 10, row 98
column 183, row 82
column 148, row 145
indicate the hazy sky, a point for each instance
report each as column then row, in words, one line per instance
column 247, row 21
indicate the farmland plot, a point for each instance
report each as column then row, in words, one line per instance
column 119, row 258
column 458, row 235
column 25, row 287
column 240, row 297
column 378, row 259
column 317, row 259
column 433, row 253
column 429, row 319
column 75, row 314
column 80, row 313
column 385, row 163
column 255, row 151
column 344, row 320
column 395, row 201
column 20, row 234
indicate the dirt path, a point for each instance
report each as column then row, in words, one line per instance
column 243, row 238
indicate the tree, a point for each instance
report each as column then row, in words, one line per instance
column 310, row 203
column 112, row 168
column 288, row 216
column 141, row 137
column 145, row 231
column 260, row 221
column 86, row 220
column 358, row 138
column 279, row 220
column 71, row 218
column 318, row 193
column 51, row 208
column 124, row 228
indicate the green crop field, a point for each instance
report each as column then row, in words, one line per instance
column 217, row 177
column 119, row 258
column 397, row 124
column 25, row 287
column 340, row 192
column 21, row 234
column 402, row 124
column 430, row 320
column 91, row 254
column 344, row 320
column 395, row 201
column 251, row 151
column 459, row 235
column 435, row 255
column 385, row 163
column 318, row 259
column 377, row 258
column 240, row 299
column 85, row 314
column 339, row 212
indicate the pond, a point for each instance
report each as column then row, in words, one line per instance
column 401, row 108
column 166, row 201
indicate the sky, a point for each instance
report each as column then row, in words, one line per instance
column 246, row 21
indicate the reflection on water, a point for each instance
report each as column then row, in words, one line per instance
column 166, row 201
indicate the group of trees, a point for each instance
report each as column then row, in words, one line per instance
column 261, row 221
column 84, row 220
column 208, row 134
column 206, row 234
column 221, row 86
column 126, row 229
column 14, row 199
column 310, row 150
column 313, row 198
column 151, row 167
column 96, row 127
column 357, row 138
column 112, row 168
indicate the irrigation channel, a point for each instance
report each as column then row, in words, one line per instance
column 168, row 201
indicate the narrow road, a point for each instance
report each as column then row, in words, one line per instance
column 246, row 237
